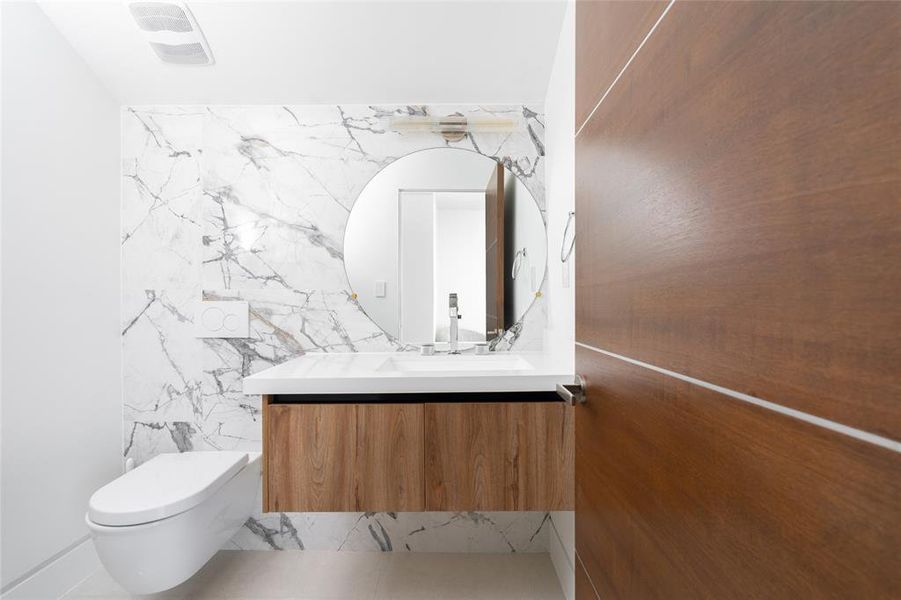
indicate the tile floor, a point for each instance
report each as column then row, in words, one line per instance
column 257, row 575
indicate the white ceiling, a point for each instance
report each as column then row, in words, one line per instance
column 328, row 52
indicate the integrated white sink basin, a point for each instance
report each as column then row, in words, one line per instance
column 443, row 363
column 408, row 372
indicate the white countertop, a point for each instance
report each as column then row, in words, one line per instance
column 407, row 372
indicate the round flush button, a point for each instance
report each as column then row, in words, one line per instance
column 212, row 319
column 231, row 322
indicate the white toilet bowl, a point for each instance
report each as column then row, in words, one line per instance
column 158, row 524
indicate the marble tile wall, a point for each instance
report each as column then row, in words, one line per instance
column 250, row 203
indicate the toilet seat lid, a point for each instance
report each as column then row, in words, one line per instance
column 164, row 486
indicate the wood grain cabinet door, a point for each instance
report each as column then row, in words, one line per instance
column 389, row 457
column 311, row 457
column 499, row 456
column 465, row 456
column 414, row 457
column 345, row 457
column 539, row 470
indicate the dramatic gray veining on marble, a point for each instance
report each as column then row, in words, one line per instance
column 250, row 203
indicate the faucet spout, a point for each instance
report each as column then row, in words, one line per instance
column 453, row 333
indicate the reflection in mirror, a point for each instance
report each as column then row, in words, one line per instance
column 438, row 223
column 449, row 257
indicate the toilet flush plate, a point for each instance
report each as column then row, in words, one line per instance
column 222, row 319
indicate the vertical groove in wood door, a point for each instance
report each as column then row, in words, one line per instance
column 465, row 456
column 389, row 458
column 539, row 473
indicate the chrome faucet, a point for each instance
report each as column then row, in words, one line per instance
column 453, row 334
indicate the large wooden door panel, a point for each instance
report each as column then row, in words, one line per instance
column 739, row 221
column 739, row 202
column 685, row 493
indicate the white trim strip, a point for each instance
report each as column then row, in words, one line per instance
column 56, row 576
column 626, row 66
column 859, row 434
column 587, row 576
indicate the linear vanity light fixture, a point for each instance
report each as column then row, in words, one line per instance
column 453, row 127
column 172, row 32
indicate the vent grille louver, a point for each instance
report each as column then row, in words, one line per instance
column 183, row 54
column 160, row 16
column 172, row 32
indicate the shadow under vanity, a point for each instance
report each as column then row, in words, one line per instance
column 444, row 249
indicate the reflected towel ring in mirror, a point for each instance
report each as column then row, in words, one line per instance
column 564, row 253
column 517, row 262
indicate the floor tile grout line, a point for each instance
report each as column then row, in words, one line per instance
column 626, row 66
column 847, row 430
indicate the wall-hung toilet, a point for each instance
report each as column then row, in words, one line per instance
column 158, row 524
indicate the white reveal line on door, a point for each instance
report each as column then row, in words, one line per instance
column 626, row 66
column 859, row 434
column 584, row 570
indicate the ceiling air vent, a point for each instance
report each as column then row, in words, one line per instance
column 172, row 32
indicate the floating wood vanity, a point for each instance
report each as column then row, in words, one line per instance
column 414, row 451
column 439, row 455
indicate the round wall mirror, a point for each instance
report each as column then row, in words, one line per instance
column 445, row 237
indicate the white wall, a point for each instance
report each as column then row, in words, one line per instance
column 560, row 191
column 62, row 412
column 562, row 546
column 560, row 173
